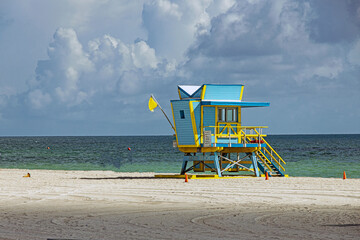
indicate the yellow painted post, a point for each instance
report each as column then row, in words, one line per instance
column 203, row 92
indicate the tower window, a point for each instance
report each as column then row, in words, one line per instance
column 182, row 114
column 227, row 114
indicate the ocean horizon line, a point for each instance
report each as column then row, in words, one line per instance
column 169, row 135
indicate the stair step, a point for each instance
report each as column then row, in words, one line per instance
column 269, row 166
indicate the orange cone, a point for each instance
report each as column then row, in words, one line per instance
column 344, row 175
column 266, row 176
column 186, row 177
column 27, row 175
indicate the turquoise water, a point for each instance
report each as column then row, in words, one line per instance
column 306, row 155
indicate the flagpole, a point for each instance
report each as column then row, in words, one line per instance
column 163, row 112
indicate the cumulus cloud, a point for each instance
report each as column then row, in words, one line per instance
column 73, row 75
column 354, row 53
column 335, row 21
column 279, row 45
column 290, row 52
column 239, row 32
column 59, row 76
column 220, row 41
column 38, row 99
column 172, row 26
column 126, row 68
column 276, row 49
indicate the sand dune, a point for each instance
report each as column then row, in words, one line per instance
column 109, row 205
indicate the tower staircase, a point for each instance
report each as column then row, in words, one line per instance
column 268, row 159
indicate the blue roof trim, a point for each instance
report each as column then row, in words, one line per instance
column 214, row 84
column 229, row 103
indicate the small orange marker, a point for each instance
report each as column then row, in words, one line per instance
column 48, row 147
column 27, row 175
column 186, row 177
column 266, row 176
column 344, row 175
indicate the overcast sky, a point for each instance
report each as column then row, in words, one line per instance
column 89, row 67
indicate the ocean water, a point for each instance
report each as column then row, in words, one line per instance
column 306, row 155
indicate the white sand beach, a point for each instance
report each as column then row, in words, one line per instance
column 108, row 205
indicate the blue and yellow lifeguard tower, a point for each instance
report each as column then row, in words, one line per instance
column 208, row 130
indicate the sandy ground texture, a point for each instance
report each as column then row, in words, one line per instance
column 108, row 205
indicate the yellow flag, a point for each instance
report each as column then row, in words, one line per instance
column 152, row 104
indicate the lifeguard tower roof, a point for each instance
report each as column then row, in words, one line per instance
column 208, row 130
column 217, row 94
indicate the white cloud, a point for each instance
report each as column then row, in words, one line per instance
column 143, row 56
column 168, row 8
column 68, row 51
column 217, row 7
column 73, row 75
column 244, row 47
column 335, row 22
column 68, row 62
column 38, row 99
column 130, row 82
column 330, row 70
column 354, row 53
column 283, row 51
column 173, row 26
